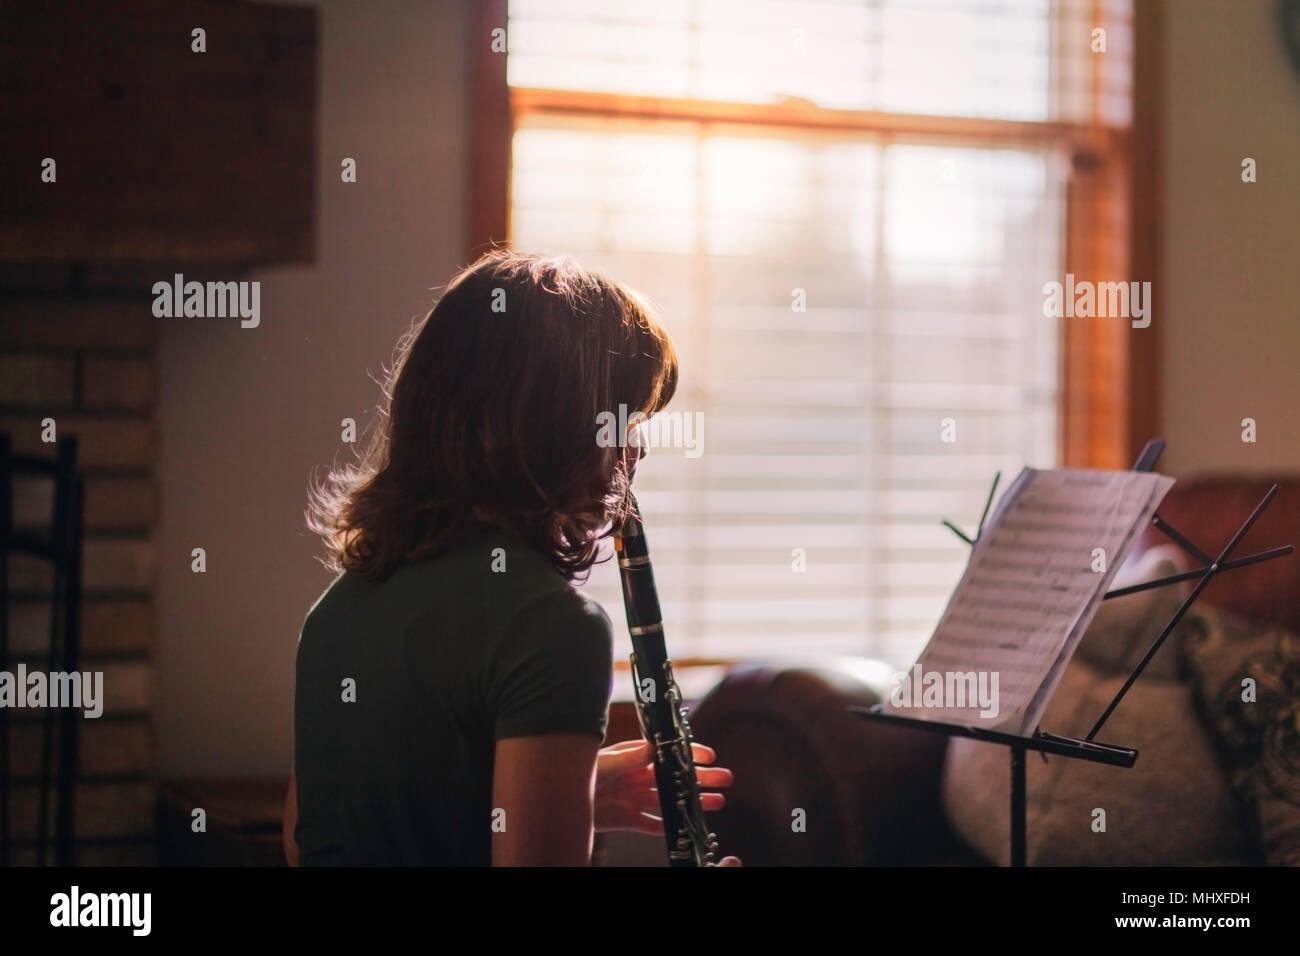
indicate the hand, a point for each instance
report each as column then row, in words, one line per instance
column 626, row 796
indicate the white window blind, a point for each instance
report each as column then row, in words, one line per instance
column 1010, row 59
column 921, row 261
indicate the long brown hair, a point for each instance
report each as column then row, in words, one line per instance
column 491, row 414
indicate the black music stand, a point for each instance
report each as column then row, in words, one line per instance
column 1087, row 748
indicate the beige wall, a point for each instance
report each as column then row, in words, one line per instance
column 245, row 414
column 1231, row 284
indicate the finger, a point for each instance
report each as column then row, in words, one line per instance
column 709, row 802
column 622, row 745
column 715, row 777
column 645, row 826
column 633, row 822
column 621, row 758
column 703, row 754
column 730, row 861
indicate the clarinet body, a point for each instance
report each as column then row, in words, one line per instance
column 659, row 703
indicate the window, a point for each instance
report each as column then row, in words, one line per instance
column 846, row 213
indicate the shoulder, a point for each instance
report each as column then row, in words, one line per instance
column 552, row 671
column 504, row 593
column 566, row 612
column 516, row 579
column 492, row 590
column 324, row 606
column 560, row 630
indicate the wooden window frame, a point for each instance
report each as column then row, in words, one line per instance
column 1109, row 374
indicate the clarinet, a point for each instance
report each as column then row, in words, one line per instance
column 659, row 703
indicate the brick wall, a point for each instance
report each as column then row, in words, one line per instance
column 79, row 347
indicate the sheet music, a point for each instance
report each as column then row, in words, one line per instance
column 1029, row 591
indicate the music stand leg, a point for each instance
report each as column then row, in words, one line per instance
column 1017, row 805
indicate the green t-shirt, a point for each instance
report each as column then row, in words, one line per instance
column 405, row 685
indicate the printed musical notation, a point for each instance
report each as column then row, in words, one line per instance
column 1033, row 583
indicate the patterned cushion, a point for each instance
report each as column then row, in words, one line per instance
column 1246, row 684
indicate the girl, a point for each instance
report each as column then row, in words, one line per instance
column 452, row 686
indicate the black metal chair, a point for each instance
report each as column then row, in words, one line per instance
column 61, row 546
